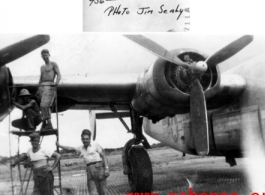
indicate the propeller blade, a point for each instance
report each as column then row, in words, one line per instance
column 199, row 121
column 156, row 49
column 92, row 121
column 229, row 50
column 17, row 50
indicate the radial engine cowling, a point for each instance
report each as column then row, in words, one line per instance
column 164, row 89
column 6, row 83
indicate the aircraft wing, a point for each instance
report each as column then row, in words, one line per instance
column 90, row 92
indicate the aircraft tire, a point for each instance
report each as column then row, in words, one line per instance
column 141, row 174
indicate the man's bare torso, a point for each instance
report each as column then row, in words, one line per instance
column 48, row 72
column 40, row 163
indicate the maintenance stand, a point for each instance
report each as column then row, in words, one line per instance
column 24, row 181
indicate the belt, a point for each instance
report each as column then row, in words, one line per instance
column 92, row 163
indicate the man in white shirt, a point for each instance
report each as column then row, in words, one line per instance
column 43, row 176
column 96, row 161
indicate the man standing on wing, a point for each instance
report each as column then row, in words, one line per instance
column 31, row 117
column 96, row 161
column 43, row 176
column 47, row 91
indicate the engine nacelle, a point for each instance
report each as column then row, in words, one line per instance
column 231, row 86
column 6, row 91
column 164, row 89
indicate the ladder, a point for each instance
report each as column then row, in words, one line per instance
column 25, row 180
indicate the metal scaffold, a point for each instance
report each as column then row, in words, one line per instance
column 28, row 173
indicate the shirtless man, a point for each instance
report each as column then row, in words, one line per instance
column 49, row 71
column 31, row 113
column 43, row 176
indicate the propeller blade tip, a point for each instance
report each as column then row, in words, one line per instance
column 203, row 153
column 251, row 37
column 247, row 38
column 45, row 38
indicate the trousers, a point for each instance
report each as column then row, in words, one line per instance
column 47, row 94
column 31, row 121
column 43, row 182
column 96, row 174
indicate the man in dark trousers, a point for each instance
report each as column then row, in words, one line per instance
column 43, row 176
column 96, row 161
column 31, row 113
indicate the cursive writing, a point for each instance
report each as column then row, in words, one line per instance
column 166, row 11
column 144, row 10
column 119, row 10
column 98, row 1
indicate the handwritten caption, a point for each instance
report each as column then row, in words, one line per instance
column 122, row 10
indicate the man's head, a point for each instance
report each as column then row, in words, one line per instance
column 85, row 137
column 34, row 139
column 24, row 94
column 45, row 54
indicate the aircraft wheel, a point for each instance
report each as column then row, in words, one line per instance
column 141, row 174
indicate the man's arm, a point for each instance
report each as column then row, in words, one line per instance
column 40, row 75
column 21, row 158
column 24, row 107
column 65, row 147
column 57, row 157
column 57, row 72
column 105, row 162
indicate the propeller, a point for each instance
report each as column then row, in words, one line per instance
column 17, row 50
column 198, row 111
column 156, row 49
column 229, row 50
column 198, row 116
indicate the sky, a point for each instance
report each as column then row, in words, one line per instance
column 95, row 54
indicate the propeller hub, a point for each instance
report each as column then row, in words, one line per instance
column 199, row 67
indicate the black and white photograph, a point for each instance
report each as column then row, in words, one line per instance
column 145, row 114
column 130, row 97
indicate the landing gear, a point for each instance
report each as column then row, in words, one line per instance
column 141, row 175
column 135, row 159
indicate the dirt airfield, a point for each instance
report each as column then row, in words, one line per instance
column 172, row 174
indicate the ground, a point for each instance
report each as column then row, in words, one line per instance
column 172, row 173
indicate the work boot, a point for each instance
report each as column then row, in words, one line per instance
column 48, row 126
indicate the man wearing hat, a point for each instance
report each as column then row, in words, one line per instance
column 47, row 91
column 31, row 113
column 97, row 165
column 43, row 176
